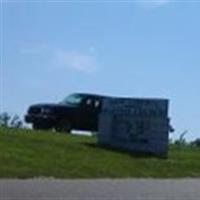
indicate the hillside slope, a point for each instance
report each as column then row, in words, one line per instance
column 27, row 153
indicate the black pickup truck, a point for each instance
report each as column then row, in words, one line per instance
column 77, row 111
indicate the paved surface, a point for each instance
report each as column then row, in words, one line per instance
column 117, row 189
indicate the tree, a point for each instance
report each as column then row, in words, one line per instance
column 16, row 122
column 181, row 140
column 4, row 119
column 10, row 122
column 196, row 142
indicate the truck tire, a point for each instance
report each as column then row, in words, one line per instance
column 39, row 126
column 36, row 126
column 63, row 127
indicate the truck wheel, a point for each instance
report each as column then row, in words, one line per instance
column 38, row 126
column 63, row 126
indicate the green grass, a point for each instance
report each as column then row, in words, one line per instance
column 26, row 153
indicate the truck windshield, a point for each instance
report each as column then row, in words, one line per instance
column 73, row 99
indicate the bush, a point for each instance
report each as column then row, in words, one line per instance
column 10, row 122
column 181, row 141
column 196, row 142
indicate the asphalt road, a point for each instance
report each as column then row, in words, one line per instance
column 107, row 189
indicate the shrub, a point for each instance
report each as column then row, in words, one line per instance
column 10, row 122
column 196, row 142
column 181, row 141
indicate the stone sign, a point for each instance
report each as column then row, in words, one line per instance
column 137, row 125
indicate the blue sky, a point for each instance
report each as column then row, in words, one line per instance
column 121, row 48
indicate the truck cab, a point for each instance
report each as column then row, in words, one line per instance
column 77, row 111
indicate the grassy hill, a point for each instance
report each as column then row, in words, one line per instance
column 27, row 153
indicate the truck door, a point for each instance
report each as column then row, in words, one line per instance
column 89, row 113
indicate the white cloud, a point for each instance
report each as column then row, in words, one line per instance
column 83, row 62
column 152, row 3
column 76, row 60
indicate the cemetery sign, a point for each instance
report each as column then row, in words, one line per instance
column 135, row 124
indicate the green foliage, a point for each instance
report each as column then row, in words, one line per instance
column 196, row 142
column 4, row 119
column 181, row 141
column 25, row 153
column 10, row 122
